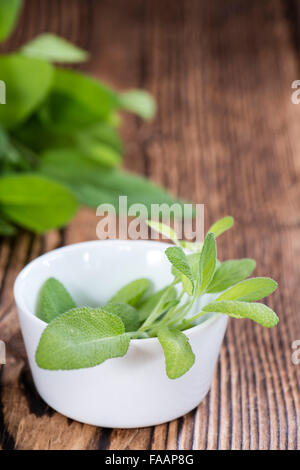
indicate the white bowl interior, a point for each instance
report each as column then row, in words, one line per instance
column 93, row 271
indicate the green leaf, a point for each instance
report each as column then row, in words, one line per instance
column 6, row 228
column 93, row 94
column 139, row 102
column 9, row 14
column 53, row 300
column 259, row 313
column 164, row 230
column 179, row 260
column 128, row 314
column 82, row 337
column 179, row 356
column 208, row 260
column 230, row 272
column 99, row 152
column 50, row 47
column 132, row 293
column 65, row 113
column 94, row 184
column 221, row 226
column 27, row 83
column 36, row 203
column 149, row 304
column 250, row 290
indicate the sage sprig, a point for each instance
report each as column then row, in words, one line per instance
column 77, row 337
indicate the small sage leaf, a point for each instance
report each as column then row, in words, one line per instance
column 179, row 356
column 229, row 273
column 9, row 14
column 257, row 312
column 208, row 260
column 180, row 261
column 132, row 293
column 82, row 337
column 139, row 102
column 164, row 230
column 128, row 314
column 250, row 290
column 221, row 226
column 53, row 48
column 53, row 300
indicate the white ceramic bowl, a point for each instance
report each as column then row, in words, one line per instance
column 132, row 391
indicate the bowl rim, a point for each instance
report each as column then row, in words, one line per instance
column 77, row 246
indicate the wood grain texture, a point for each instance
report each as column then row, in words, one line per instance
column 226, row 134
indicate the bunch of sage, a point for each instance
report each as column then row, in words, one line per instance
column 78, row 337
column 59, row 140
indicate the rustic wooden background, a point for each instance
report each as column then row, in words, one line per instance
column 227, row 135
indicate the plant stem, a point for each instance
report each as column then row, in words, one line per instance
column 157, row 310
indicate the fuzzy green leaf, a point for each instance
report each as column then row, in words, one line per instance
column 128, row 314
column 93, row 184
column 36, row 203
column 53, row 300
column 50, row 47
column 82, row 337
column 97, row 97
column 221, row 226
column 257, row 312
column 230, row 272
column 250, row 290
column 132, row 293
column 208, row 260
column 28, row 82
column 179, row 356
column 9, row 14
column 139, row 102
column 179, row 260
column 164, row 230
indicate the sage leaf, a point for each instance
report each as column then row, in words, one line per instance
column 128, row 314
column 208, row 260
column 82, row 337
column 221, row 226
column 132, row 293
column 93, row 184
column 94, row 95
column 164, row 230
column 139, row 102
column 229, row 273
column 179, row 356
column 50, row 47
column 180, row 261
column 9, row 14
column 257, row 312
column 149, row 304
column 250, row 290
column 36, row 203
column 53, row 300
column 64, row 114
column 28, row 82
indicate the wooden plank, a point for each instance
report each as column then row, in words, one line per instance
column 226, row 134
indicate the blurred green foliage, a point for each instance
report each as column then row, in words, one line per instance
column 59, row 140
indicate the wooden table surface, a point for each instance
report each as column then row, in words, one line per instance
column 227, row 135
